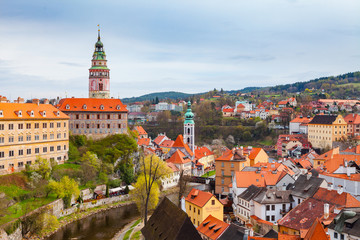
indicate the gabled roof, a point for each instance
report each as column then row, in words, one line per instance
column 201, row 152
column 172, row 166
column 91, row 105
column 305, row 186
column 352, row 118
column 233, row 232
column 179, row 143
column 323, row 119
column 301, row 119
column 159, row 139
column 178, row 158
column 333, row 197
column 254, row 152
column 158, row 227
column 273, row 196
column 251, row 192
column 198, row 197
column 347, row 222
column 143, row 141
column 212, row 227
column 259, row 179
column 316, row 232
column 228, row 110
column 140, row 130
column 30, row 111
column 167, row 143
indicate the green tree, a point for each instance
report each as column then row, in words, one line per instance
column 43, row 167
column 66, row 188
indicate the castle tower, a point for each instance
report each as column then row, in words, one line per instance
column 99, row 74
column 189, row 128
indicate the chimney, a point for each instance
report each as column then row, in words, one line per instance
column 340, row 189
column 46, row 101
column 36, row 101
column 326, row 210
column 310, row 205
column 348, row 171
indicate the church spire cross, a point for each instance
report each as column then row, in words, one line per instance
column 98, row 32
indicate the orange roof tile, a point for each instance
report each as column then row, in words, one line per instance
column 172, row 166
column 254, row 152
column 91, row 105
column 179, row 142
column 316, row 232
column 283, row 102
column 226, row 156
column 201, row 152
column 212, row 227
column 198, row 197
column 228, row 110
column 352, row 118
column 143, row 141
column 159, row 138
column 167, row 143
column 333, row 197
column 259, row 179
column 259, row 220
column 303, row 120
column 178, row 158
column 140, row 130
column 30, row 111
column 282, row 236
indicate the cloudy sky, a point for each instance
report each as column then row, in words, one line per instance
column 166, row 45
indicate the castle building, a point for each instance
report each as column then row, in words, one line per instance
column 99, row 73
column 29, row 130
column 99, row 115
column 189, row 128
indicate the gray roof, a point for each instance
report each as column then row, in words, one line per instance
column 347, row 221
column 251, row 192
column 305, row 186
column 169, row 222
column 323, row 119
column 273, row 196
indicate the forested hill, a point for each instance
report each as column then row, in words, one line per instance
column 159, row 95
column 345, row 82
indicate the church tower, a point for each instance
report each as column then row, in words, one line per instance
column 99, row 74
column 189, row 128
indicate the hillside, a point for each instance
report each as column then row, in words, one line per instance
column 160, row 95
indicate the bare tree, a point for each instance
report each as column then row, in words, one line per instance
column 183, row 181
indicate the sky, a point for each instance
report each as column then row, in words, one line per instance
column 189, row 46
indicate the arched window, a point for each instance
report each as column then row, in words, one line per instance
column 118, row 107
column 84, row 106
column 102, row 107
column 188, row 130
column 67, row 106
column 188, row 140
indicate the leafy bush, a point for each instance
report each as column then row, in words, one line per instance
column 11, row 227
column 114, row 183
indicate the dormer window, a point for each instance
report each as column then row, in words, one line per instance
column 31, row 113
column 1, row 113
column 20, row 114
column 102, row 107
column 43, row 113
column 118, row 107
column 67, row 106
column 84, row 106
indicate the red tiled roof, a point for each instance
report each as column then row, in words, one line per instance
column 158, row 139
column 212, row 227
column 302, row 120
column 228, row 110
column 201, row 152
column 167, row 143
column 91, row 105
column 140, row 130
column 179, row 142
column 316, row 232
column 172, row 166
column 178, row 158
column 283, row 102
column 143, row 141
column 333, row 197
column 226, row 156
column 260, row 179
column 259, row 220
column 198, row 197
column 41, row 111
column 352, row 118
column 254, row 152
column 283, row 236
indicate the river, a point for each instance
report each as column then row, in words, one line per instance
column 105, row 224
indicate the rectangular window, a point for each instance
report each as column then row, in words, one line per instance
column 87, row 125
column 28, row 163
column 222, row 181
column 11, row 139
column 20, row 126
column 20, row 164
column 2, row 154
column 64, row 147
column 190, row 207
column 58, row 135
column 108, row 116
column 44, row 125
column 28, row 126
column 88, row 116
column 222, row 164
column 119, row 116
column 44, row 149
column 64, row 135
column 273, row 218
column 37, row 150
column 52, row 136
column 98, row 126
column 20, row 138
column 76, row 125
column 2, row 126
column 222, row 172
column 51, row 148
column 58, row 125
column 194, row 209
column 2, row 166
column 198, row 211
column 28, row 151
column 77, row 116
column 64, row 124
column 51, row 125
column 232, row 165
column 11, row 153
column 21, row 152
column 44, row 136
column 212, row 202
column 267, row 207
column 28, row 138
column 268, row 218
column 272, row 207
column 37, row 137
column 335, row 235
column 98, row 116
column 2, row 139
column 36, row 125
column 58, row 148
column 11, row 126
column 108, row 126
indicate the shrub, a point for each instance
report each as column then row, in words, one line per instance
column 115, row 183
column 11, row 227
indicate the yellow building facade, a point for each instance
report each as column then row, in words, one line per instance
column 199, row 205
column 323, row 130
column 29, row 130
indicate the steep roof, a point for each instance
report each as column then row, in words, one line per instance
column 167, row 143
column 273, row 196
column 316, row 232
column 226, row 156
column 201, row 152
column 158, row 227
column 212, row 227
column 233, row 232
column 143, row 141
column 254, row 152
column 352, row 118
column 251, row 192
column 16, row 111
column 198, row 197
column 258, row 178
column 172, row 166
column 179, row 143
column 347, row 222
column 301, row 119
column 333, row 197
column 159, row 139
column 140, row 130
column 91, row 105
column 305, row 186
column 323, row 119
column 178, row 158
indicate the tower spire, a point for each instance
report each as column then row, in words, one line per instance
column 98, row 32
